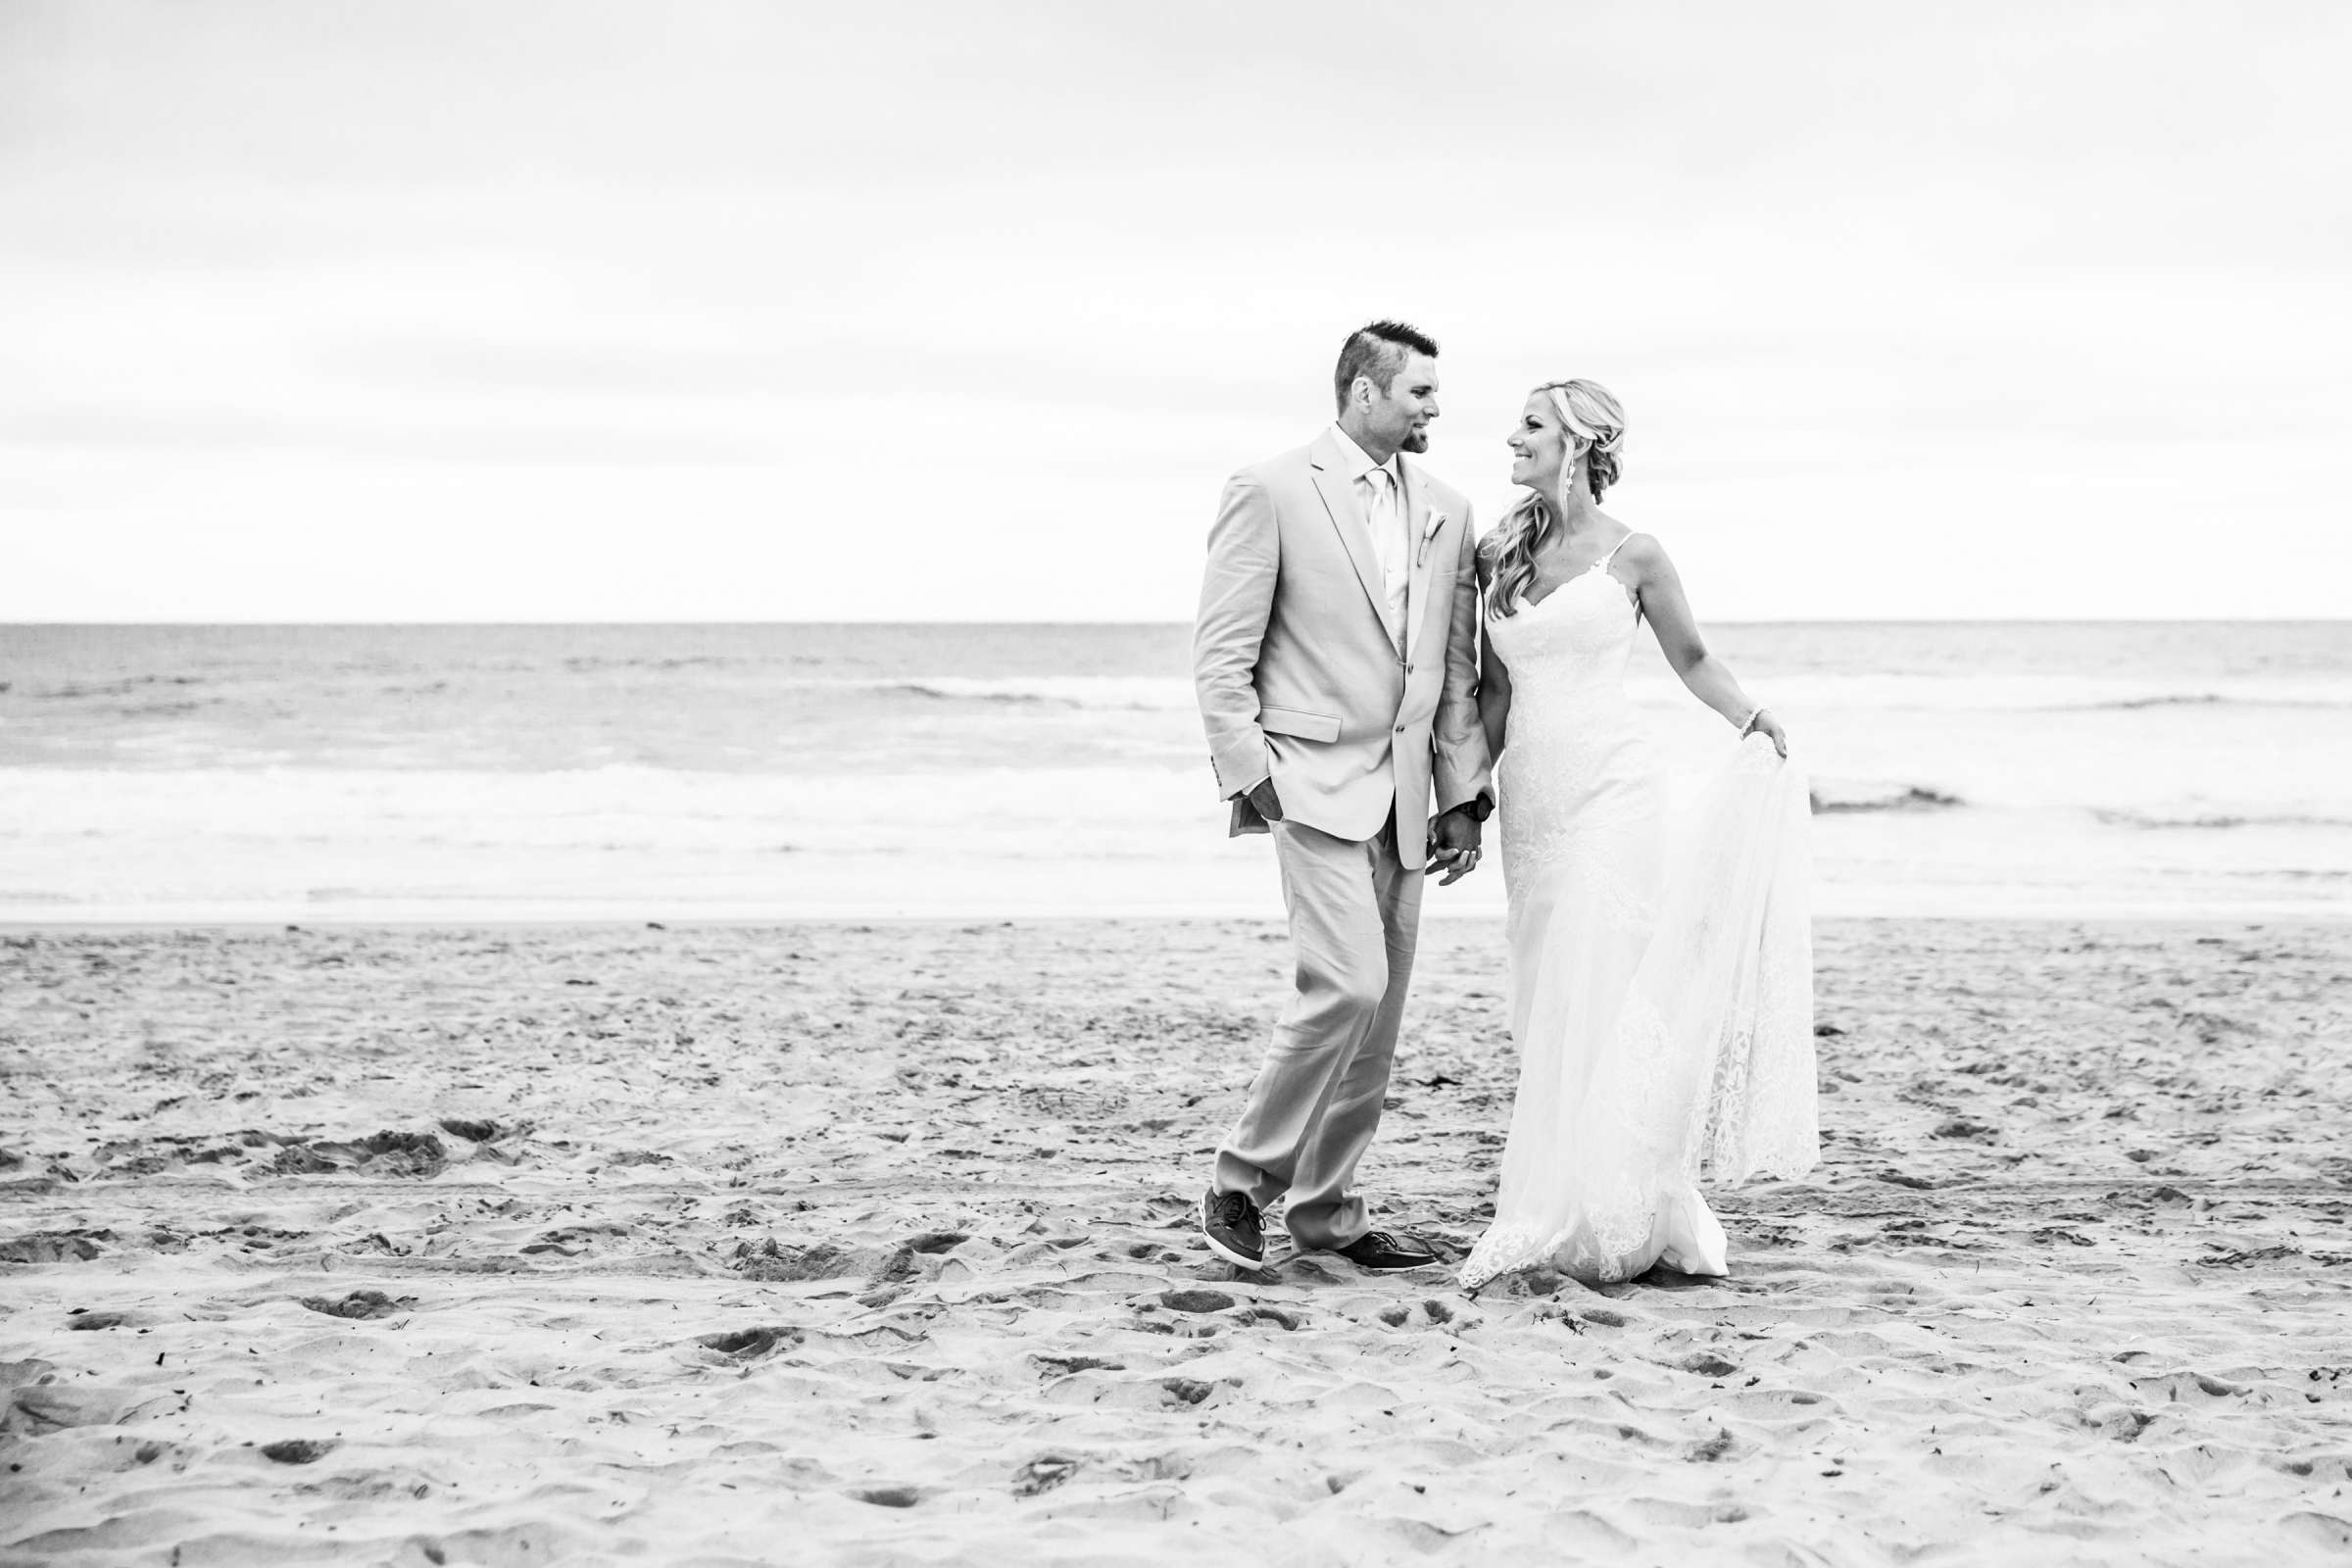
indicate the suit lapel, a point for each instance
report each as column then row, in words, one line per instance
column 1417, row 607
column 1337, row 489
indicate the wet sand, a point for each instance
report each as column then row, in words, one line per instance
column 874, row 1245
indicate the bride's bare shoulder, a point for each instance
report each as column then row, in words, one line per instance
column 1642, row 553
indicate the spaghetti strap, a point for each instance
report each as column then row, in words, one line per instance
column 1602, row 566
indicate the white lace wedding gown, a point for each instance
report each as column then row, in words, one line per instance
column 1661, row 983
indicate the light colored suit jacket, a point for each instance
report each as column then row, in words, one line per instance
column 1298, row 677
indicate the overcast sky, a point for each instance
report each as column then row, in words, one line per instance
column 587, row 311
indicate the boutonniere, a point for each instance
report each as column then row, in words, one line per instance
column 1437, row 521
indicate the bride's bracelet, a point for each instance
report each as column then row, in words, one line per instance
column 1748, row 727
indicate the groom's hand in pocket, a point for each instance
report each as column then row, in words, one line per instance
column 1453, row 847
column 1267, row 803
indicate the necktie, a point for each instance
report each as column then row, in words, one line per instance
column 1388, row 545
column 1382, row 516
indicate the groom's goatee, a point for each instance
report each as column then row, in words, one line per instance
column 1415, row 441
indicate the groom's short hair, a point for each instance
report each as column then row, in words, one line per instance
column 1378, row 350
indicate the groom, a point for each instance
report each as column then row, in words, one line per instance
column 1336, row 659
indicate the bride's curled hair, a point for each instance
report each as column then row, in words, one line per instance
column 1594, row 424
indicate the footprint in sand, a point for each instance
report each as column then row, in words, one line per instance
column 54, row 1247
column 46, row 1407
column 299, row 1451
column 1194, row 1301
column 81, row 1318
column 748, row 1345
column 383, row 1153
column 360, row 1304
column 772, row 1262
column 1042, row 1475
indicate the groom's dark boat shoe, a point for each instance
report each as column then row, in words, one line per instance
column 1231, row 1225
column 1385, row 1252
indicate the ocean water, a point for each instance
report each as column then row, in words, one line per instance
column 634, row 771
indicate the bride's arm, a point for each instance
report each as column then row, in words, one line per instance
column 1493, row 676
column 1659, row 588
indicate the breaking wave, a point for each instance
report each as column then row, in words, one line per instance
column 1100, row 693
column 2159, row 820
column 1829, row 798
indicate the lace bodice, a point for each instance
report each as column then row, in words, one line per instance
column 1576, row 637
column 1574, row 761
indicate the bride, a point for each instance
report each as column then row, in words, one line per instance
column 1660, row 984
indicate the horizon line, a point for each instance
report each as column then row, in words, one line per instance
column 1837, row 620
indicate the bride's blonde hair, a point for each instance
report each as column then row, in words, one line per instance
column 1589, row 413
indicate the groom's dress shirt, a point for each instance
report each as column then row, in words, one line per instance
column 1380, row 493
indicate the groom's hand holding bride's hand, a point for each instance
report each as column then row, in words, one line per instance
column 1453, row 846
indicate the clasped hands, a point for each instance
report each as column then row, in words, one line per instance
column 1453, row 846
column 1453, row 835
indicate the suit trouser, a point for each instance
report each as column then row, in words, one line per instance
column 1316, row 1102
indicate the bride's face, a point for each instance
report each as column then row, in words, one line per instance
column 1538, row 446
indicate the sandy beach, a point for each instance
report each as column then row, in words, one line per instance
column 874, row 1245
